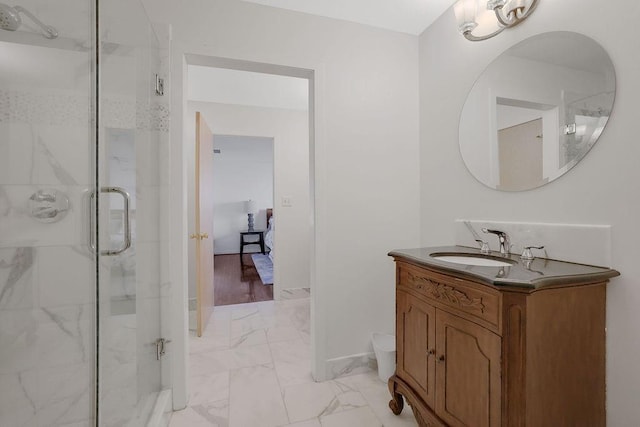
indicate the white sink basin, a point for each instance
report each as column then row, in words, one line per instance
column 472, row 260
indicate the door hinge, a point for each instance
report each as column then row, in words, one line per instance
column 570, row 129
column 160, row 347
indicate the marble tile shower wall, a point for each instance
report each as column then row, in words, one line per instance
column 47, row 283
column 47, row 276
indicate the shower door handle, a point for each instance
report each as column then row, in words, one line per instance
column 126, row 244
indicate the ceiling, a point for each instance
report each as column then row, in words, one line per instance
column 407, row 16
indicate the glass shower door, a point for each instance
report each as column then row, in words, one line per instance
column 80, row 134
column 47, row 271
column 133, row 135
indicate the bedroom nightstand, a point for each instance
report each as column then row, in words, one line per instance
column 244, row 242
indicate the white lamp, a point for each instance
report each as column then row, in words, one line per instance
column 482, row 19
column 250, row 208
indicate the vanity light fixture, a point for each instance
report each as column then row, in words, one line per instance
column 482, row 19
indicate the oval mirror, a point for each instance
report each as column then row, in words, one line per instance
column 536, row 111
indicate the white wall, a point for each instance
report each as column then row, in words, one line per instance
column 366, row 152
column 225, row 86
column 242, row 170
column 602, row 189
column 290, row 132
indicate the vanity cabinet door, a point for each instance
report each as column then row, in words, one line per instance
column 468, row 388
column 415, row 331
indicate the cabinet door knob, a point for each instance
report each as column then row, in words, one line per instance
column 431, row 352
column 441, row 358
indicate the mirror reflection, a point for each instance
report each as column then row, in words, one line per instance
column 536, row 111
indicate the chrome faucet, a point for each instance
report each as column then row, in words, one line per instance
column 503, row 238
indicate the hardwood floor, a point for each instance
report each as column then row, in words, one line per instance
column 234, row 284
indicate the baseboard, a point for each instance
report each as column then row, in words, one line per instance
column 351, row 365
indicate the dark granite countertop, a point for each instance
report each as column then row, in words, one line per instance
column 534, row 274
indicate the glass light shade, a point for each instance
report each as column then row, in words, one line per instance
column 487, row 23
column 465, row 11
column 250, row 206
column 482, row 19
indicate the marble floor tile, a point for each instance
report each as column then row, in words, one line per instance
column 282, row 333
column 358, row 382
column 295, row 372
column 207, row 363
column 226, row 360
column 252, row 368
column 208, row 388
column 378, row 399
column 290, row 351
column 310, row 400
column 219, row 325
column 246, row 322
column 308, row 423
column 244, row 311
column 208, row 343
column 348, row 400
column 360, row 417
column 295, row 293
column 214, row 414
column 187, row 418
column 255, row 398
column 248, row 338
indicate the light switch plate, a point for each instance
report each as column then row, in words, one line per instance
column 286, row 202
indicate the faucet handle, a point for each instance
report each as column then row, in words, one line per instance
column 484, row 246
column 527, row 254
column 497, row 232
column 503, row 238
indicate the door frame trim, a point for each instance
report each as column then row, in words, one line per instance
column 181, row 57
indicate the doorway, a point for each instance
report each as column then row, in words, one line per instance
column 242, row 186
column 181, row 157
column 248, row 104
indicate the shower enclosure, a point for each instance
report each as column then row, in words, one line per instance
column 83, row 229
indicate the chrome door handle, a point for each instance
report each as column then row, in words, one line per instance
column 126, row 244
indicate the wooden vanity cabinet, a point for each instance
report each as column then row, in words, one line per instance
column 470, row 354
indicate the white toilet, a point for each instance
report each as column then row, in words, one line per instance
column 384, row 346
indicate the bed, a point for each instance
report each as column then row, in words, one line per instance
column 268, row 238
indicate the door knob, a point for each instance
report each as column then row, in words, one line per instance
column 199, row 236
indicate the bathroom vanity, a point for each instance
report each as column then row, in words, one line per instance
column 521, row 343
